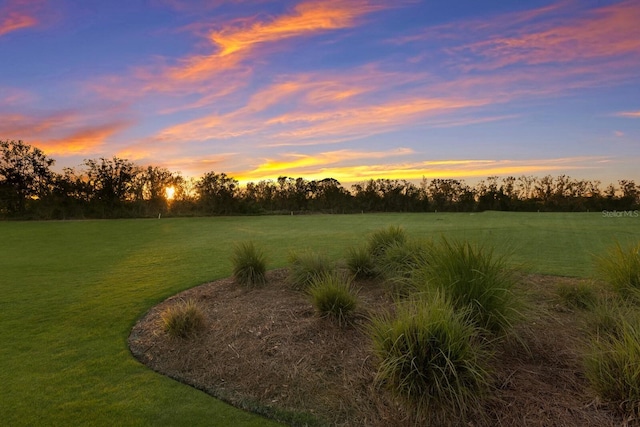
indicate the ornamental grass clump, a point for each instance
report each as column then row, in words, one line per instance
column 360, row 263
column 620, row 267
column 431, row 358
column 249, row 264
column 380, row 240
column 333, row 296
column 610, row 314
column 183, row 319
column 401, row 259
column 307, row 266
column 474, row 277
column 612, row 366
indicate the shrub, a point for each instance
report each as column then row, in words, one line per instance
column 307, row 266
column 613, row 366
column 580, row 295
column 333, row 296
column 430, row 358
column 249, row 264
column 183, row 319
column 471, row 276
column 360, row 263
column 380, row 240
column 620, row 267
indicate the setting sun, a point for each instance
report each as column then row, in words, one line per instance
column 169, row 192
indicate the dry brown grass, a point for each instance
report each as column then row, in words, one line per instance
column 265, row 349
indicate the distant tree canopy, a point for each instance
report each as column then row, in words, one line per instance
column 116, row 188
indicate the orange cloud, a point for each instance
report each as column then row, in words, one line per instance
column 304, row 161
column 631, row 114
column 364, row 120
column 63, row 133
column 414, row 171
column 235, row 41
column 15, row 21
column 82, row 141
column 19, row 14
column 292, row 128
column 308, row 17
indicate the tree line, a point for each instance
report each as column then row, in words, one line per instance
column 118, row 188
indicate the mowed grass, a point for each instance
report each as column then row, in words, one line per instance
column 71, row 291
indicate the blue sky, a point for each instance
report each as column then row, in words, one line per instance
column 351, row 89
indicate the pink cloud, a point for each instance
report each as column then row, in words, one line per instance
column 630, row 114
column 15, row 21
column 19, row 14
column 62, row 133
column 604, row 32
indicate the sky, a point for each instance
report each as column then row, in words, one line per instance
column 351, row 89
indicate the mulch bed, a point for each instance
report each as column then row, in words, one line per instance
column 265, row 349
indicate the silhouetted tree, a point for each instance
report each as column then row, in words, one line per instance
column 112, row 184
column 25, row 175
column 150, row 188
column 218, row 193
column 450, row 195
column 630, row 194
column 329, row 196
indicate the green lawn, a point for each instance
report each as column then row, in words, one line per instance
column 71, row 291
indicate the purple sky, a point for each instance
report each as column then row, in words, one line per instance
column 350, row 89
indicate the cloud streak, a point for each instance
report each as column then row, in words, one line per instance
column 306, row 18
column 14, row 21
column 329, row 164
column 629, row 114
column 232, row 44
column 19, row 14
column 63, row 133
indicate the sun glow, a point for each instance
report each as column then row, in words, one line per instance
column 170, row 192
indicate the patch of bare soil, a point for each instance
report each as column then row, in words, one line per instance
column 264, row 349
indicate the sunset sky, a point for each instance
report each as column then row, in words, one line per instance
column 350, row 89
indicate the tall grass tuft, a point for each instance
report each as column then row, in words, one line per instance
column 183, row 319
column 401, row 259
column 307, row 266
column 430, row 358
column 472, row 276
column 613, row 366
column 360, row 262
column 249, row 264
column 333, row 296
column 620, row 267
column 380, row 240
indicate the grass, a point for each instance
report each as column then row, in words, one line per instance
column 471, row 276
column 401, row 259
column 620, row 267
column 332, row 296
column 360, row 263
column 613, row 366
column 183, row 319
column 306, row 267
column 429, row 357
column 380, row 240
column 582, row 295
column 249, row 264
column 71, row 291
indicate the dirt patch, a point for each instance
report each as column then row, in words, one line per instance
column 267, row 351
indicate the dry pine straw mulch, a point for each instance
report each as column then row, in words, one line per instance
column 266, row 350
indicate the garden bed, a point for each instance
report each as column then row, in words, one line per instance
column 265, row 349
